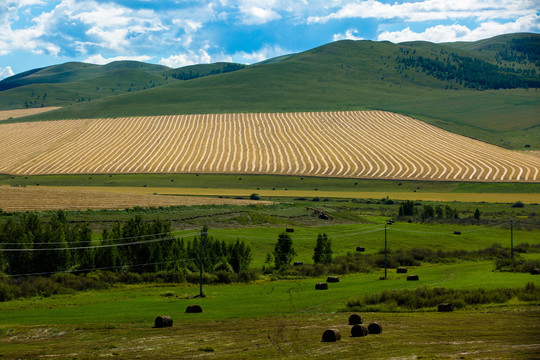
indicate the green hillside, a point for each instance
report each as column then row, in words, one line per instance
column 74, row 83
column 486, row 89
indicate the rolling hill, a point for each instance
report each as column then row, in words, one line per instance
column 486, row 89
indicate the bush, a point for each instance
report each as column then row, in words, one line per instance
column 518, row 204
column 6, row 292
column 254, row 197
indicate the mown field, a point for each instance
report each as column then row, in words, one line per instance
column 241, row 321
column 378, row 145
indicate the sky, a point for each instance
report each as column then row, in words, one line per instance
column 176, row 33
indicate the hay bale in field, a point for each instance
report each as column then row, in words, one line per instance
column 360, row 248
column 355, row 319
column 163, row 321
column 289, row 230
column 401, row 270
column 457, row 232
column 412, row 278
column 321, row 286
column 535, row 272
column 332, row 279
column 298, row 263
column 331, row 335
column 359, row 330
column 445, row 307
column 194, row 309
column 374, row 328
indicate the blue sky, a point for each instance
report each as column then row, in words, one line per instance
column 175, row 33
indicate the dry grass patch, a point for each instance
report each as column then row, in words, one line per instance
column 6, row 114
column 45, row 198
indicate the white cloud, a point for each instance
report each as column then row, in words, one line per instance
column 255, row 15
column 100, row 60
column 431, row 10
column 190, row 57
column 351, row 34
column 266, row 52
column 450, row 33
column 6, row 72
column 202, row 56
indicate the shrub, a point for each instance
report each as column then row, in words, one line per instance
column 518, row 204
column 254, row 197
column 6, row 292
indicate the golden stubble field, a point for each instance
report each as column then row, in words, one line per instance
column 45, row 198
column 360, row 144
column 6, row 114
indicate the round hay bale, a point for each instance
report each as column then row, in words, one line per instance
column 445, row 307
column 331, row 335
column 359, row 330
column 289, row 230
column 321, row 286
column 412, row 278
column 374, row 328
column 332, row 279
column 457, row 232
column 298, row 263
column 401, row 270
column 163, row 321
column 360, row 248
column 355, row 319
column 194, row 309
column 535, row 272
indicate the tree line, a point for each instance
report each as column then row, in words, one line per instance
column 29, row 245
column 470, row 72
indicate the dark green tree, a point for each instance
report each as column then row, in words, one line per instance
column 283, row 251
column 322, row 254
column 407, row 208
column 477, row 214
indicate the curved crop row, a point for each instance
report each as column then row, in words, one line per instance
column 362, row 144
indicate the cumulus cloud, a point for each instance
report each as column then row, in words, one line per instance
column 255, row 15
column 450, row 33
column 190, row 57
column 74, row 22
column 6, row 72
column 266, row 52
column 430, row 10
column 100, row 60
column 351, row 34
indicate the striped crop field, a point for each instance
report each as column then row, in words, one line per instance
column 358, row 144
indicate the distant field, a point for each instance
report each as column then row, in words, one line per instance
column 361, row 144
column 6, row 114
column 396, row 195
column 42, row 198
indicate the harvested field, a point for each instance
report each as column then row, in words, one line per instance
column 359, row 144
column 6, row 114
column 43, row 198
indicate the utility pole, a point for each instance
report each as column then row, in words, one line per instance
column 203, row 237
column 512, row 239
column 385, row 256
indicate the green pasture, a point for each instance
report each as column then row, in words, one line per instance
column 264, row 298
column 266, row 182
column 400, row 235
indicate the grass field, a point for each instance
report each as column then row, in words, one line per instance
column 378, row 145
column 239, row 321
column 268, row 182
